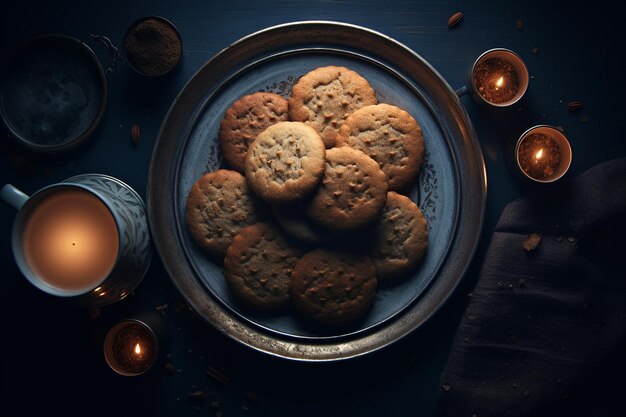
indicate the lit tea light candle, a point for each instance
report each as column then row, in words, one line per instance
column 543, row 154
column 70, row 240
column 489, row 77
column 499, row 82
column 131, row 347
column 499, row 77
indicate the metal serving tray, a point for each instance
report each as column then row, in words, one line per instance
column 451, row 189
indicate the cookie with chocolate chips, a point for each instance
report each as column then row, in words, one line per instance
column 391, row 137
column 258, row 267
column 400, row 237
column 218, row 206
column 333, row 288
column 352, row 191
column 244, row 120
column 294, row 221
column 324, row 98
column 285, row 162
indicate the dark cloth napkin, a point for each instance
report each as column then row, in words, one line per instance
column 542, row 319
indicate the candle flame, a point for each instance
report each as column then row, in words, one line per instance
column 539, row 154
column 500, row 82
column 138, row 349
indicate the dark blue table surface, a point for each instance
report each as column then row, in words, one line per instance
column 51, row 353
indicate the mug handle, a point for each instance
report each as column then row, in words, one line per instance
column 13, row 196
column 462, row 91
column 113, row 51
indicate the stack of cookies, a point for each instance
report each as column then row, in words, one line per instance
column 310, row 213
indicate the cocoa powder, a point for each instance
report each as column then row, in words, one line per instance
column 152, row 46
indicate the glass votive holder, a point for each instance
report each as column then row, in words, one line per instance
column 498, row 78
column 543, row 154
column 133, row 345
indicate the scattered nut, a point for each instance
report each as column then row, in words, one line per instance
column 95, row 313
column 198, row 395
column 455, row 19
column 135, row 134
column 531, row 242
column 574, row 106
column 168, row 367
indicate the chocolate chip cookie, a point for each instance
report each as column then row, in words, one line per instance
column 218, row 206
column 285, row 162
column 391, row 137
column 352, row 191
column 244, row 120
column 325, row 97
column 258, row 267
column 333, row 288
column 293, row 220
column 400, row 237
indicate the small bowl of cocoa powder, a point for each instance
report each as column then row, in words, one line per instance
column 153, row 46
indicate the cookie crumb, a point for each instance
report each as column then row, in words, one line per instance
column 531, row 242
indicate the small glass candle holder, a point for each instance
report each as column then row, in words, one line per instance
column 133, row 345
column 498, row 78
column 543, row 154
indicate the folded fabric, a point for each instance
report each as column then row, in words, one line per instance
column 549, row 304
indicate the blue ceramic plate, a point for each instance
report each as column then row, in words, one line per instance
column 450, row 190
